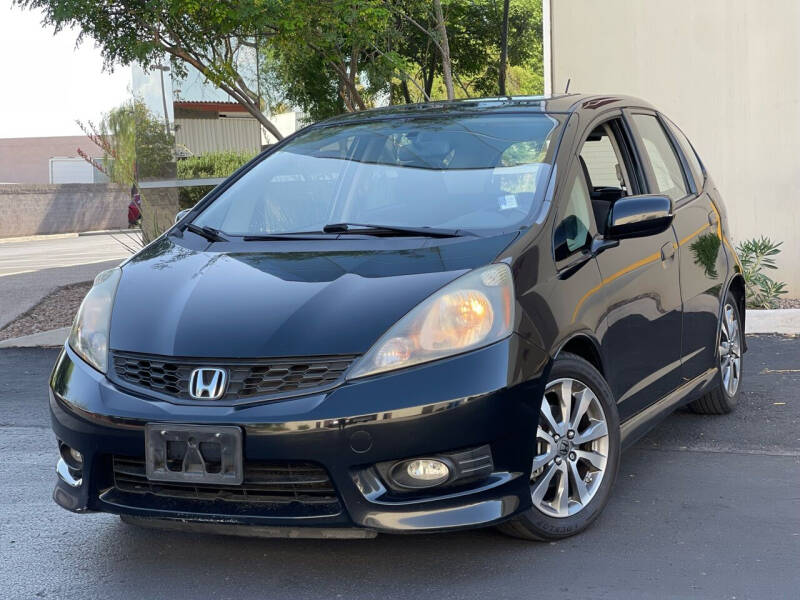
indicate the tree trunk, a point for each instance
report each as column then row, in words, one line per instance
column 430, row 73
column 447, row 72
column 405, row 90
column 262, row 118
column 503, row 49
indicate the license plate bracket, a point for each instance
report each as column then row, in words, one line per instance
column 193, row 453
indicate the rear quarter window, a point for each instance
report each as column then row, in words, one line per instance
column 696, row 167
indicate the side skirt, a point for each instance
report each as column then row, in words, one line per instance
column 643, row 421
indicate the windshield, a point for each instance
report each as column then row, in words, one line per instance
column 456, row 172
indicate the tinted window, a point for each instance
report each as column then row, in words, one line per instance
column 666, row 166
column 690, row 154
column 470, row 172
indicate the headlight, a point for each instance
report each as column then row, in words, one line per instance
column 475, row 310
column 89, row 335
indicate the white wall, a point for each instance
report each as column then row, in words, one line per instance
column 287, row 123
column 726, row 71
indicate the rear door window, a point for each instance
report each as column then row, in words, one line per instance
column 666, row 167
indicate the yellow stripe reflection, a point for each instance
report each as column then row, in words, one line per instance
column 654, row 257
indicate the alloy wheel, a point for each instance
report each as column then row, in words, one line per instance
column 730, row 354
column 571, row 449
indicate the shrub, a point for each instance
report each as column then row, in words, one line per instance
column 757, row 255
column 218, row 164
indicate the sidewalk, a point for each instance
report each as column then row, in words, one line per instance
column 784, row 321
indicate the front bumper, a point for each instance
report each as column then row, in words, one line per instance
column 480, row 398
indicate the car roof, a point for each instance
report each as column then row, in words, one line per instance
column 563, row 104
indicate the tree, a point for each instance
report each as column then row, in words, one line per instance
column 135, row 147
column 326, row 57
column 333, row 56
column 473, row 31
column 134, row 143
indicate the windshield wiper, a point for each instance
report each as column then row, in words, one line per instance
column 370, row 229
column 211, row 234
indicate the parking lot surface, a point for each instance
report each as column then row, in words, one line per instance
column 704, row 507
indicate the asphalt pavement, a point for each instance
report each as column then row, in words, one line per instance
column 704, row 507
column 30, row 269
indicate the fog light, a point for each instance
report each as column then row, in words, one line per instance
column 76, row 456
column 420, row 473
column 426, row 469
column 71, row 456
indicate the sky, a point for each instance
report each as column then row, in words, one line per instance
column 47, row 83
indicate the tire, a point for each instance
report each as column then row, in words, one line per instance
column 557, row 514
column 724, row 394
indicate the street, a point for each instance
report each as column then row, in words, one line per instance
column 704, row 507
column 30, row 269
column 17, row 257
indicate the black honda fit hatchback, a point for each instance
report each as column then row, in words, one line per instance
column 419, row 318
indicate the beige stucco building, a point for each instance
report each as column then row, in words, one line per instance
column 726, row 71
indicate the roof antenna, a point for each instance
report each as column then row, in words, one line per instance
column 566, row 89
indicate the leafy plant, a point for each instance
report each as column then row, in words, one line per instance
column 757, row 255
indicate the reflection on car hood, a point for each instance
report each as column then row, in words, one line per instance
column 294, row 299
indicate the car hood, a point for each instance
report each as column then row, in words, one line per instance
column 287, row 298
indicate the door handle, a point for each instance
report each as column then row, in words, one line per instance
column 667, row 251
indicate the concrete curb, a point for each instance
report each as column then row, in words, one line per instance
column 43, row 339
column 783, row 320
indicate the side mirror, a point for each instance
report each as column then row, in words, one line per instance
column 639, row 216
column 182, row 214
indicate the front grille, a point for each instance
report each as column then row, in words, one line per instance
column 247, row 379
column 264, row 482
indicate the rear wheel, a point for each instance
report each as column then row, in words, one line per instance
column 723, row 398
column 576, row 453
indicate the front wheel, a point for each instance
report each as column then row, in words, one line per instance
column 576, row 454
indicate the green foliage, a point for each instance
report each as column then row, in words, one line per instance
column 756, row 255
column 135, row 143
column 220, row 164
column 474, row 34
column 154, row 147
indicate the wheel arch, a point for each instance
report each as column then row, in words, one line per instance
column 736, row 287
column 585, row 346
